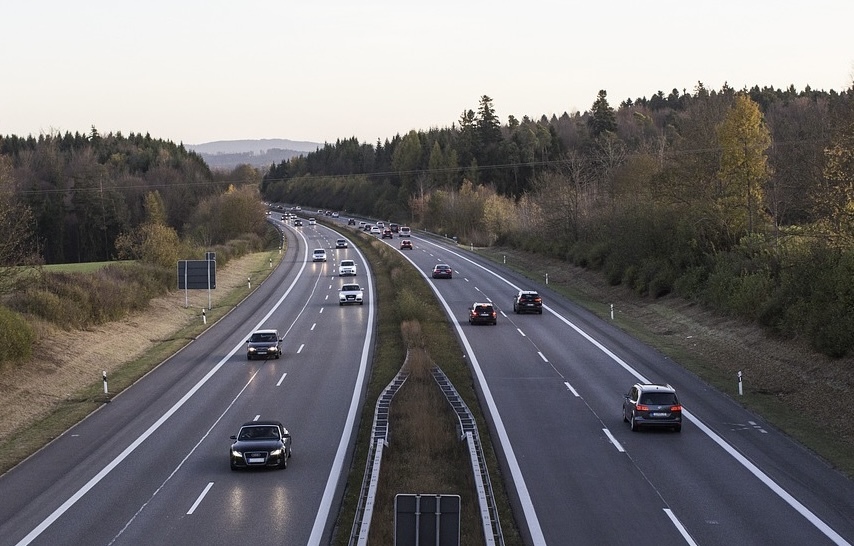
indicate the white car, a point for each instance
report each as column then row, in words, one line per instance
column 319, row 255
column 341, row 243
column 347, row 267
column 312, row 222
column 376, row 231
column 350, row 293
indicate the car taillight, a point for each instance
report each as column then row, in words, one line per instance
column 641, row 407
column 538, row 300
column 493, row 314
column 675, row 408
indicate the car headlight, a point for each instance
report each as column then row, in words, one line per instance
column 252, row 349
column 276, row 452
column 237, row 454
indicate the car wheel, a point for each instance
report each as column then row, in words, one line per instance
column 248, row 357
column 340, row 304
column 633, row 423
column 283, row 463
column 361, row 303
column 625, row 419
column 677, row 428
column 540, row 312
column 494, row 322
column 233, row 466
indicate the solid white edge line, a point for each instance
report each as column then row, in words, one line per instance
column 518, row 480
column 679, row 527
column 48, row 521
column 346, row 436
column 199, row 500
column 543, row 356
column 753, row 469
column 613, row 440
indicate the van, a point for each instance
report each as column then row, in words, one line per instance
column 404, row 231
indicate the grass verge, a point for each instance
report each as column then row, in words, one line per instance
column 81, row 403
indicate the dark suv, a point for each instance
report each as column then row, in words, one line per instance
column 652, row 405
column 528, row 301
column 482, row 313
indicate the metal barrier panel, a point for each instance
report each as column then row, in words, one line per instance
column 426, row 520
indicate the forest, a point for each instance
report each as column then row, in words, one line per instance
column 742, row 200
column 140, row 202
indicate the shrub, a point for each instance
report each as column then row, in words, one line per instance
column 16, row 336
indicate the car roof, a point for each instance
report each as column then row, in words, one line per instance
column 319, row 250
column 267, row 331
column 654, row 387
column 262, row 424
column 527, row 291
column 475, row 304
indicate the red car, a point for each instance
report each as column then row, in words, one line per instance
column 443, row 271
column 406, row 244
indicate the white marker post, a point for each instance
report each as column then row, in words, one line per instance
column 740, row 389
column 547, row 278
column 204, row 317
column 106, row 391
column 612, row 311
column 249, row 282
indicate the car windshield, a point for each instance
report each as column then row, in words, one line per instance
column 259, row 433
column 658, row 398
column 263, row 337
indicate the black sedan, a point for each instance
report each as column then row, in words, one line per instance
column 442, row 271
column 261, row 444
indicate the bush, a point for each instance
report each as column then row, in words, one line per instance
column 16, row 336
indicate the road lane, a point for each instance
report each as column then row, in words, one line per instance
column 708, row 492
column 132, row 471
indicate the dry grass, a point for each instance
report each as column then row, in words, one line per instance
column 62, row 383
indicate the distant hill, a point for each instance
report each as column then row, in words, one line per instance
column 227, row 154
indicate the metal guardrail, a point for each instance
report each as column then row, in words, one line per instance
column 468, row 431
column 379, row 439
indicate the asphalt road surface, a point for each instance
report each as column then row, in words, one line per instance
column 553, row 385
column 152, row 466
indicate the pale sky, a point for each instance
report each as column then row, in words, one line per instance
column 320, row 70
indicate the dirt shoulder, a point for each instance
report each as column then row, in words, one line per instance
column 65, row 362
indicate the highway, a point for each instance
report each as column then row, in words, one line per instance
column 151, row 467
column 554, row 385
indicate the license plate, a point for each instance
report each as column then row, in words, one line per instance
column 659, row 414
column 255, row 460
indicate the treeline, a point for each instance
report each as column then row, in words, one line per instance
column 82, row 198
column 743, row 200
column 84, row 190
